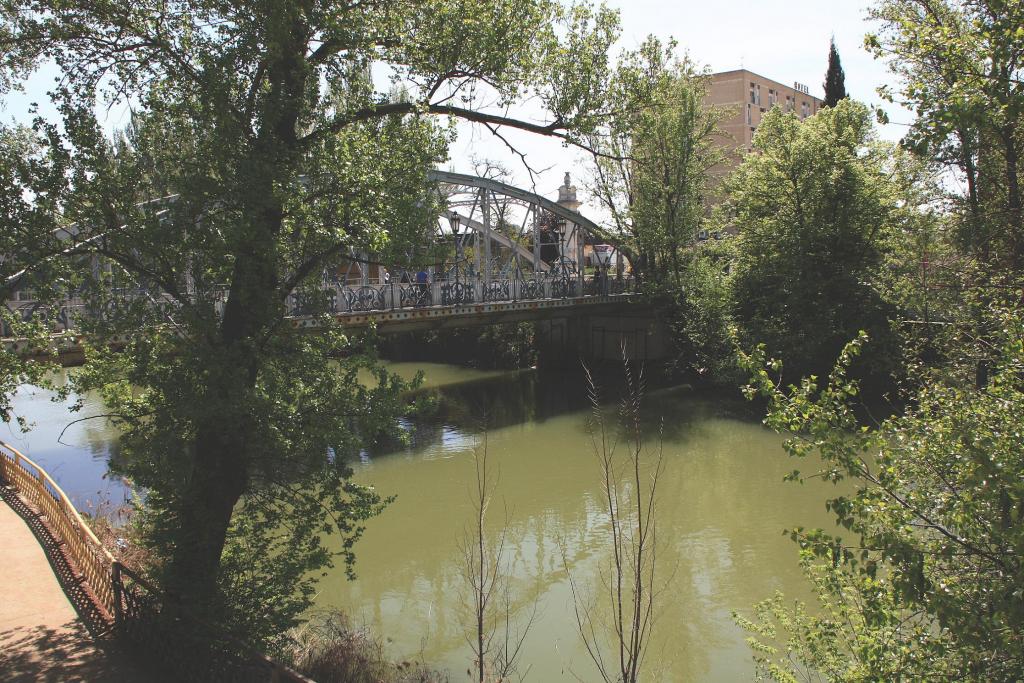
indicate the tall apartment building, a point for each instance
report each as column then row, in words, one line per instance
column 748, row 97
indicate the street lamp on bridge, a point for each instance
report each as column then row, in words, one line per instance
column 454, row 220
column 603, row 256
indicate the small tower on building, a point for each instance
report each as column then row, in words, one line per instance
column 567, row 195
column 570, row 246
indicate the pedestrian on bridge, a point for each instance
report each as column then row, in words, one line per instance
column 422, row 279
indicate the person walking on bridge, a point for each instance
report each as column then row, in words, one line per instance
column 422, row 279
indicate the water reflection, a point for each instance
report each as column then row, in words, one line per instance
column 723, row 510
column 75, row 448
column 722, row 513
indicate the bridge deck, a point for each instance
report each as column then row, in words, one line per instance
column 411, row 318
column 42, row 638
column 475, row 314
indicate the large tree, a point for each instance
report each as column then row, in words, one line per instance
column 958, row 64
column 813, row 205
column 835, row 78
column 32, row 184
column 264, row 149
column 653, row 175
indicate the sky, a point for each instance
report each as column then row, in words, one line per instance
column 784, row 40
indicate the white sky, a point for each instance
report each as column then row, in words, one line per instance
column 785, row 40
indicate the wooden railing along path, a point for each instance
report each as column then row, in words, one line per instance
column 139, row 612
column 84, row 550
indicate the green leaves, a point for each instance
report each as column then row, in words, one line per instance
column 929, row 585
column 33, row 184
column 656, row 153
column 958, row 66
column 924, row 581
column 268, row 141
column 835, row 79
column 812, row 205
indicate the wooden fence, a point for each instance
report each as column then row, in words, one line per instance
column 85, row 552
column 141, row 614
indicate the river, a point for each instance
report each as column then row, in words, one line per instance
column 722, row 510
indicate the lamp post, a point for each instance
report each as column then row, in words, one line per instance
column 456, row 291
column 561, row 272
column 603, row 254
column 454, row 220
column 560, row 228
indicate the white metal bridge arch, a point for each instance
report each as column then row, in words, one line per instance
column 507, row 245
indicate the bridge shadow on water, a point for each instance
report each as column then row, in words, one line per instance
column 534, row 396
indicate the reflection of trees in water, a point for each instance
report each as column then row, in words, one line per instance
column 713, row 491
column 100, row 437
column 432, row 593
column 503, row 401
column 115, row 458
column 531, row 396
column 465, row 407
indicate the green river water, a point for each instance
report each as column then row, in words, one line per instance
column 722, row 510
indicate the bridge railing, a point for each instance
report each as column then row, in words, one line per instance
column 141, row 613
column 455, row 292
column 345, row 298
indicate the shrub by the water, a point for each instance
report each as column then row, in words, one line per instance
column 329, row 649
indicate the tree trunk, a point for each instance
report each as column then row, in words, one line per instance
column 222, row 449
column 967, row 151
column 203, row 517
column 1013, row 196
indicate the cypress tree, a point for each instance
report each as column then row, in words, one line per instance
column 835, row 79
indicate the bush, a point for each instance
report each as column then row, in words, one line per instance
column 699, row 316
column 329, row 649
column 924, row 582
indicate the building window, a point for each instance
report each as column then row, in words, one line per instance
column 804, row 111
column 750, row 118
column 772, row 98
column 752, row 100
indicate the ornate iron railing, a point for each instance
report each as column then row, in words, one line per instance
column 414, row 296
column 140, row 613
column 457, row 293
column 365, row 299
column 335, row 298
column 498, row 290
column 529, row 289
column 564, row 288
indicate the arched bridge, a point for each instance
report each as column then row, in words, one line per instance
column 497, row 253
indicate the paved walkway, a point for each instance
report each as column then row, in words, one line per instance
column 42, row 638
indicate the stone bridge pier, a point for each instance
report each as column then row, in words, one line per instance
column 600, row 338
